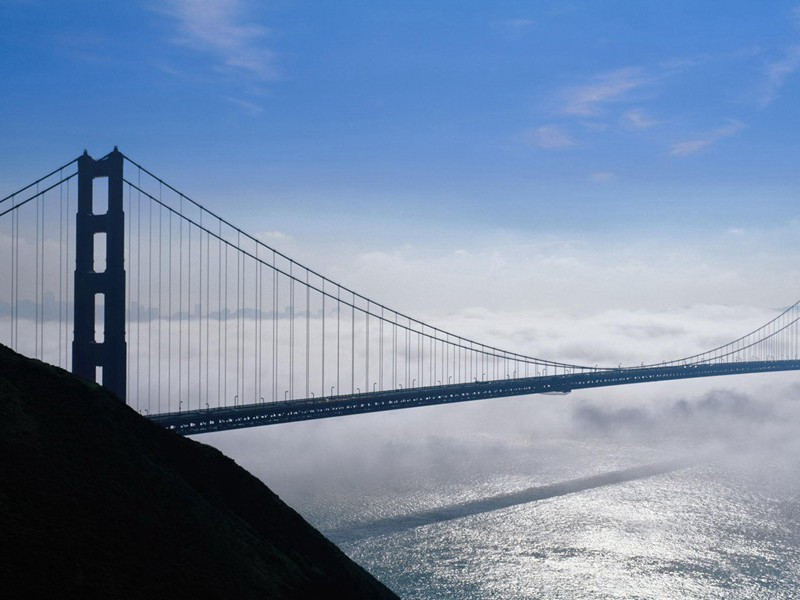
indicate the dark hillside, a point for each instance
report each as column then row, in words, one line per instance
column 96, row 501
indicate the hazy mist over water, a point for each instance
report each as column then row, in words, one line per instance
column 654, row 491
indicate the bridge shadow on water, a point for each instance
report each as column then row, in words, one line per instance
column 401, row 523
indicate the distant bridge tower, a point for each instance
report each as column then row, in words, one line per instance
column 104, row 288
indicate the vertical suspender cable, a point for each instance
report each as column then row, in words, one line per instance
column 180, row 304
column 238, row 300
column 242, row 313
column 200, row 315
column 338, row 336
column 12, row 303
column 446, row 347
column 128, row 290
column 240, row 333
column 275, row 331
column 219, row 316
column 149, row 304
column 138, row 295
column 435, row 363
column 225, row 351
column 170, row 358
column 40, row 302
column 394, row 352
column 322, row 382
column 159, row 312
column 208, row 315
column 241, row 321
column 273, row 350
column 14, row 292
column 291, row 331
column 420, row 357
column 308, row 332
column 189, row 309
column 36, row 282
column 407, row 370
column 67, row 296
column 16, row 214
column 41, row 274
column 353, row 346
column 60, row 264
column 259, row 290
column 257, row 328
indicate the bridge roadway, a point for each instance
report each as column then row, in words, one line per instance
column 287, row 411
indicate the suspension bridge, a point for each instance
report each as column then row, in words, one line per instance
column 112, row 273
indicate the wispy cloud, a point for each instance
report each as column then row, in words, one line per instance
column 86, row 46
column 548, row 137
column 221, row 29
column 638, row 119
column 602, row 176
column 271, row 237
column 248, row 107
column 701, row 143
column 777, row 73
column 516, row 25
column 587, row 100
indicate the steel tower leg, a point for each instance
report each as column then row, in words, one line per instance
column 87, row 353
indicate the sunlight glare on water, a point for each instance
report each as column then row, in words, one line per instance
column 665, row 506
column 691, row 533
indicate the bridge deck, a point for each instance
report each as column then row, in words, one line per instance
column 254, row 415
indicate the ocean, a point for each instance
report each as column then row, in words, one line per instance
column 524, row 498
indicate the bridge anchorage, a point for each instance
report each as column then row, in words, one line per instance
column 113, row 272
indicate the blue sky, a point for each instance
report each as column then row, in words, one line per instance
column 406, row 121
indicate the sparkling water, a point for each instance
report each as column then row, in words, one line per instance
column 695, row 498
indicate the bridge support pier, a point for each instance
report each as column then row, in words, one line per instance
column 107, row 286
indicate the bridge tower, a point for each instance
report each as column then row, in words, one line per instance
column 98, row 226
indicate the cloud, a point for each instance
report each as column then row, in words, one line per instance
column 689, row 147
column 586, row 100
column 271, row 237
column 248, row 107
column 548, row 137
column 504, row 273
column 86, row 46
column 723, row 418
column 638, row 119
column 777, row 73
column 602, row 176
column 219, row 28
column 696, row 145
column 516, row 25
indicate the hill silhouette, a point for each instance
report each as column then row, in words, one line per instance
column 97, row 501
